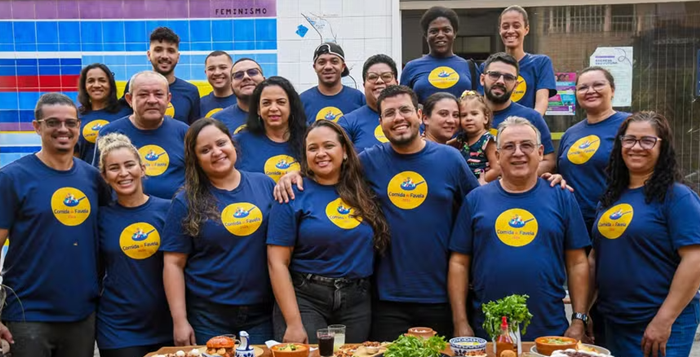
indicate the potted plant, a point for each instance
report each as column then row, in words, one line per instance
column 514, row 308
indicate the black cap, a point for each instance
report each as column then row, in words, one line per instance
column 333, row 49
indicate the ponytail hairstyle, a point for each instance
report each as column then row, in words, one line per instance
column 112, row 142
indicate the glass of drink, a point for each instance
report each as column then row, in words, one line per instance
column 325, row 342
column 339, row 339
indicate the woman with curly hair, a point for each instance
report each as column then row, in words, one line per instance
column 647, row 245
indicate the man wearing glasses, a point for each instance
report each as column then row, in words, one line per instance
column 362, row 125
column 499, row 80
column 246, row 74
column 217, row 67
column 48, row 204
column 517, row 235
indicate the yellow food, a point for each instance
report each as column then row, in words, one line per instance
column 468, row 343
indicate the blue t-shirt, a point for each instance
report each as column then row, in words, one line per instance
column 162, row 152
column 420, row 194
column 363, row 128
column 428, row 75
column 133, row 310
column 184, row 105
column 51, row 263
column 211, row 104
column 536, row 72
column 517, row 243
column 260, row 154
column 584, row 153
column 530, row 114
column 318, row 106
column 636, row 250
column 233, row 117
column 90, row 125
column 307, row 222
column 227, row 261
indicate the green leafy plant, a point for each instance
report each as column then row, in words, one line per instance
column 412, row 346
column 513, row 307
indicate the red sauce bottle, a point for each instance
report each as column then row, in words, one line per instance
column 505, row 342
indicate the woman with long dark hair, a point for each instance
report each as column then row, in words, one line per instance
column 99, row 106
column 274, row 136
column 646, row 242
column 321, row 245
column 215, row 272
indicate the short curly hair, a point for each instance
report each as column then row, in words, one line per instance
column 439, row 11
column 165, row 34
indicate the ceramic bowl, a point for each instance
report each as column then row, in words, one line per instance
column 301, row 350
column 425, row 332
column 546, row 347
column 468, row 346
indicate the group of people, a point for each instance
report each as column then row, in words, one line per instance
column 139, row 224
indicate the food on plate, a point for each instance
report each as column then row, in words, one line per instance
column 548, row 344
column 581, row 347
column 289, row 347
column 468, row 346
column 223, row 346
column 346, row 351
column 575, row 353
column 181, row 353
column 412, row 346
column 371, row 344
column 290, row 350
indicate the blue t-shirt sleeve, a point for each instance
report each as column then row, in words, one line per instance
column 9, row 202
column 174, row 237
column 282, row 230
column 576, row 231
column 461, row 238
column 546, row 79
column 545, row 134
column 683, row 210
column 407, row 76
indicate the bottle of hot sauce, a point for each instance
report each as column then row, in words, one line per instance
column 505, row 342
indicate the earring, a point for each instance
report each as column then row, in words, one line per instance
column 345, row 157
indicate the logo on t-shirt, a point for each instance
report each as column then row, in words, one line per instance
column 329, row 113
column 583, row 149
column 92, row 128
column 70, row 206
column 443, row 77
column 379, row 134
column 520, row 90
column 241, row 219
column 238, row 130
column 139, row 240
column 615, row 221
column 277, row 166
column 516, row 227
column 155, row 158
column 170, row 111
column 212, row 112
column 342, row 215
column 407, row 190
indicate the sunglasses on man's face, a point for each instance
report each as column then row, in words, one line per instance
column 250, row 72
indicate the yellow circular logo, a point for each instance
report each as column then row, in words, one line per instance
column 277, row 166
column 379, row 134
column 155, row 158
column 92, row 128
column 516, row 227
column 407, row 190
column 70, row 206
column 212, row 112
column 443, row 77
column 170, row 111
column 615, row 221
column 329, row 113
column 241, row 219
column 342, row 215
column 520, row 90
column 583, row 149
column 239, row 129
column 139, row 240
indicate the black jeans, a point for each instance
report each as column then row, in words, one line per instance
column 135, row 351
column 324, row 301
column 390, row 319
column 53, row 339
column 210, row 319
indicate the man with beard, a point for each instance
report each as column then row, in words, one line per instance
column 362, row 125
column 164, row 54
column 217, row 67
column 499, row 80
column 48, row 204
column 330, row 99
column 245, row 76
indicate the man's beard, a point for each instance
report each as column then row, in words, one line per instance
column 498, row 99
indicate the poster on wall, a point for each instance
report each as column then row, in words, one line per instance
column 564, row 102
column 617, row 60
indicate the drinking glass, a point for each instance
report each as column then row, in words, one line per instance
column 339, row 339
column 325, row 338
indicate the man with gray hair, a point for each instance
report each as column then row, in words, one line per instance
column 518, row 235
column 160, row 139
column 48, row 204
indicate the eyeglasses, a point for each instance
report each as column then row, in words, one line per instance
column 55, row 123
column 646, row 142
column 374, row 77
column 507, row 77
column 526, row 148
column 597, row 87
column 405, row 111
column 250, row 72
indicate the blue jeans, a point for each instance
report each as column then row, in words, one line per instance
column 626, row 340
column 210, row 320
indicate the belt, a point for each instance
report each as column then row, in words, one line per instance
column 336, row 282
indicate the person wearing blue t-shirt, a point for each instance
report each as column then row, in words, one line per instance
column 274, row 136
column 159, row 138
column 246, row 74
column 49, row 204
column 330, row 99
column 498, row 79
column 217, row 68
column 215, row 272
column 646, row 241
column 99, row 106
column 517, row 235
column 419, row 184
column 440, row 70
column 362, row 125
column 329, row 278
column 164, row 55
column 132, row 313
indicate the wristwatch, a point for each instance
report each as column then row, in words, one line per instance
column 580, row 316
